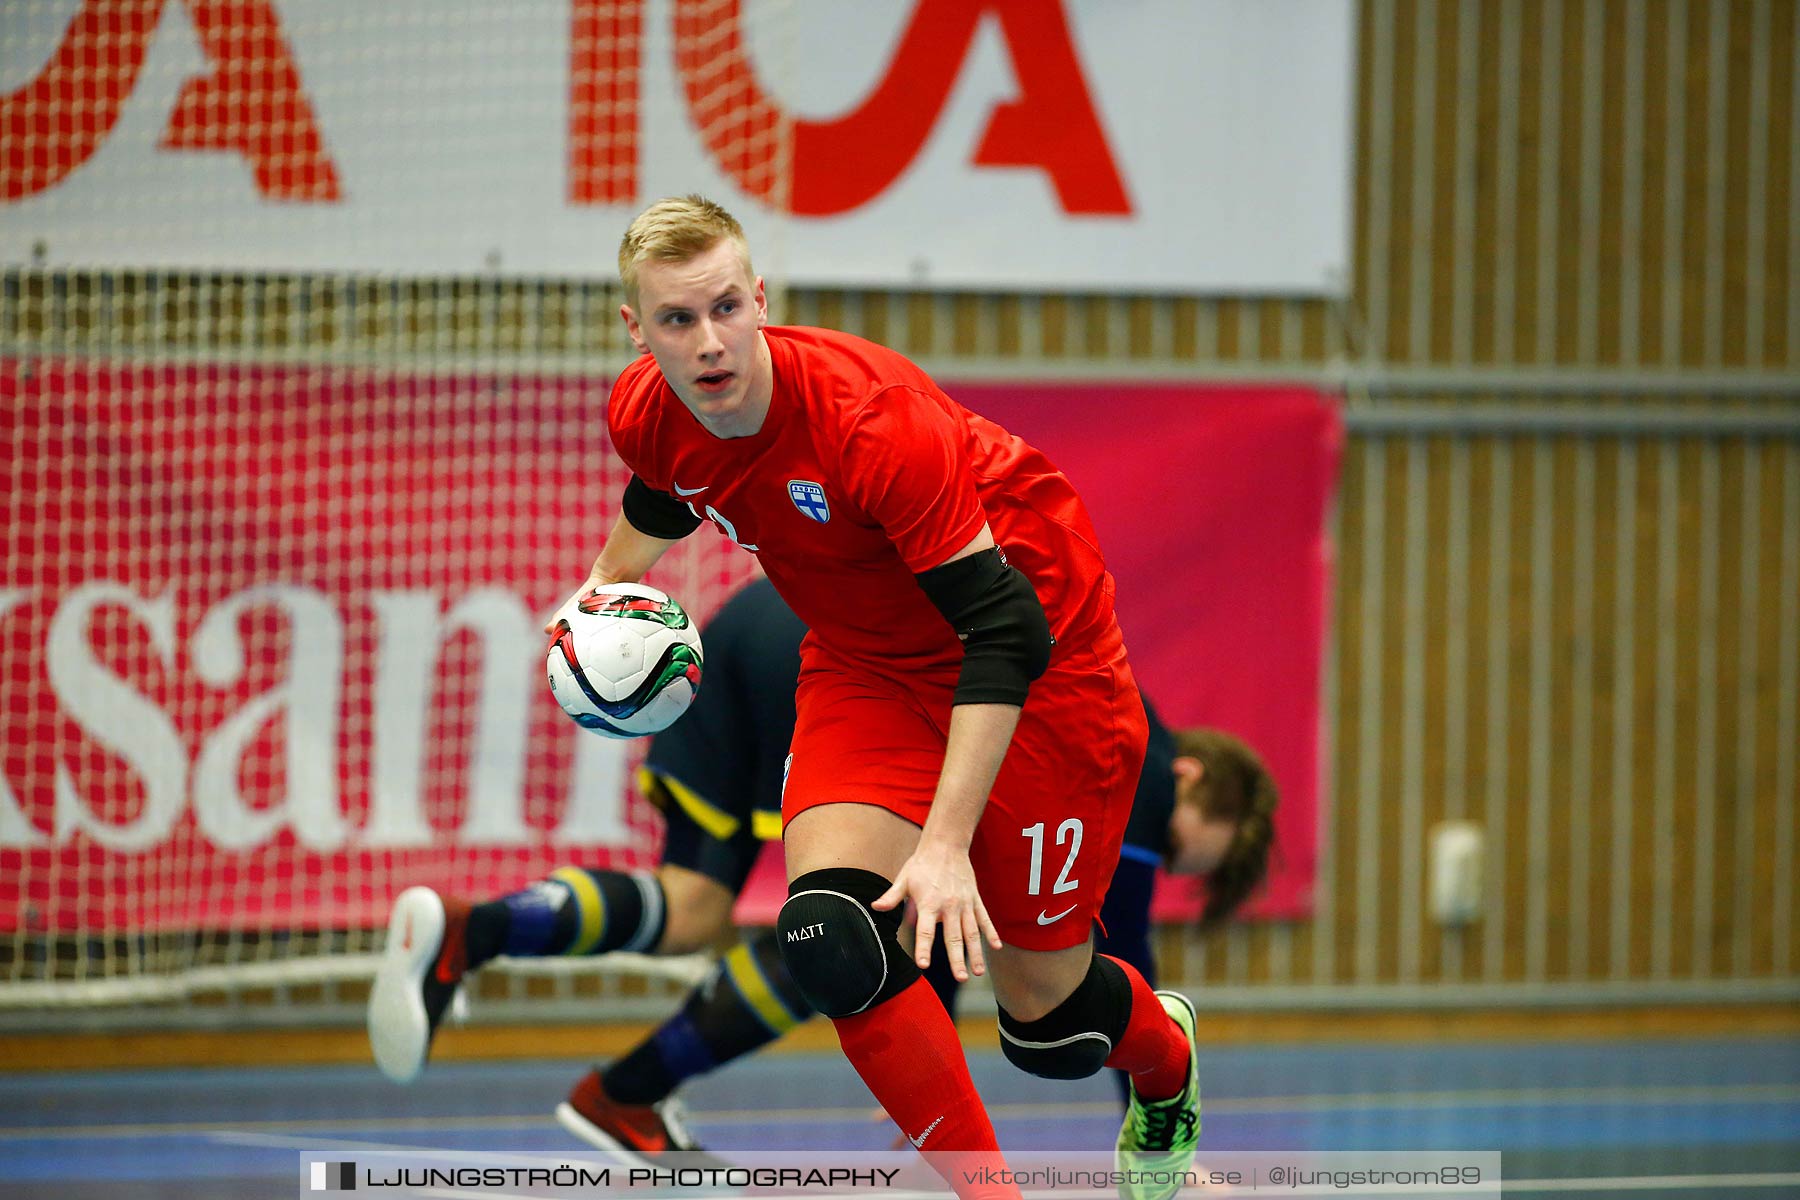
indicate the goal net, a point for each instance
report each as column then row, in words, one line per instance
column 308, row 318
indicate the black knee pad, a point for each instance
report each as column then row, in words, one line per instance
column 1074, row 1039
column 844, row 956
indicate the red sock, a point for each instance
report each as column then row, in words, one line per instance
column 907, row 1052
column 1152, row 1050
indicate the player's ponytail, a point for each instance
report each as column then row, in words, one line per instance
column 1236, row 787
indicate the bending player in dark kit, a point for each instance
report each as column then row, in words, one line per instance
column 968, row 730
column 1203, row 806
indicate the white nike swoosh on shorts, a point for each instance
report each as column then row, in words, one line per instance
column 681, row 491
column 1044, row 920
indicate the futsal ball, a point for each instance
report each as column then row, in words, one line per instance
column 626, row 660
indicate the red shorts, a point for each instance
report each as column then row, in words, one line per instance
column 1049, row 838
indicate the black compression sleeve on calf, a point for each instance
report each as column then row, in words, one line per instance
column 1005, row 635
column 657, row 513
column 1074, row 1039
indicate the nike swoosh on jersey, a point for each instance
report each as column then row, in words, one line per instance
column 681, row 491
column 1044, row 920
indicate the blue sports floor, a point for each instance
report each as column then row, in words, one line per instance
column 1655, row 1120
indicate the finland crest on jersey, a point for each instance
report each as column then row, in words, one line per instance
column 809, row 498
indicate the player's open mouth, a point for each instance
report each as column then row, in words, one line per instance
column 714, row 381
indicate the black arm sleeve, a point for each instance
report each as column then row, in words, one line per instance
column 657, row 513
column 1005, row 635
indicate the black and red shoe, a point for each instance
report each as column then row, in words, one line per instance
column 421, row 968
column 636, row 1132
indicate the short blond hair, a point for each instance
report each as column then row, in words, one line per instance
column 676, row 229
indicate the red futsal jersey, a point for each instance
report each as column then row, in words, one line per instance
column 864, row 474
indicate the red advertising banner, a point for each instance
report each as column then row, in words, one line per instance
column 1211, row 504
column 271, row 648
column 270, row 644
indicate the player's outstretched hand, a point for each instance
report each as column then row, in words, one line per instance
column 941, row 883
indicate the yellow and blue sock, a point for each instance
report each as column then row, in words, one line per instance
column 575, row 912
column 748, row 1001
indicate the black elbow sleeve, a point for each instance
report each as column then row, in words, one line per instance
column 657, row 513
column 995, row 612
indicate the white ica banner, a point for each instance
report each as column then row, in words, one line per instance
column 1142, row 145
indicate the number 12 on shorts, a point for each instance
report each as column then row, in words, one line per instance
column 1069, row 831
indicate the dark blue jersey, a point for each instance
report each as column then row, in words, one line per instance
column 1147, row 832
